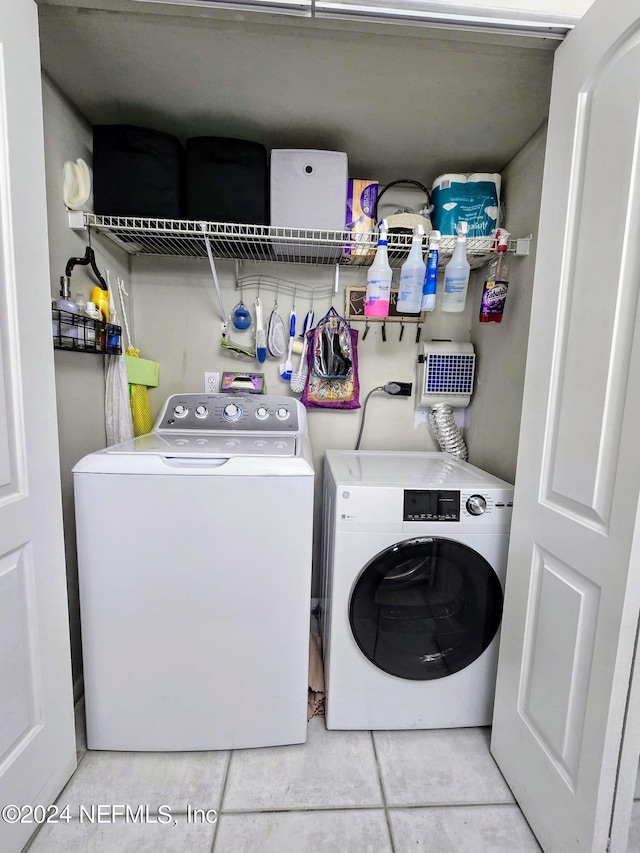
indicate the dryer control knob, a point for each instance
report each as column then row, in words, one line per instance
column 262, row 413
column 476, row 505
column 282, row 414
column 232, row 412
column 202, row 412
column 180, row 411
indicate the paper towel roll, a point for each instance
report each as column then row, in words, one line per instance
column 474, row 198
column 450, row 178
column 77, row 185
column 488, row 176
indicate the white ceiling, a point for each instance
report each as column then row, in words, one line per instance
column 402, row 101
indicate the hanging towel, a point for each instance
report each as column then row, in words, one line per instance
column 118, row 419
column 140, row 403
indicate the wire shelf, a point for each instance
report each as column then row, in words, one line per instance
column 185, row 238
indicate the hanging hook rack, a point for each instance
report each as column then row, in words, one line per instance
column 277, row 284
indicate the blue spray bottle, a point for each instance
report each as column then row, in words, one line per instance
column 431, row 274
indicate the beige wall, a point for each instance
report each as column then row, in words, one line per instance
column 501, row 348
column 79, row 376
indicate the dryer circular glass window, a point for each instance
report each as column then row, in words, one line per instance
column 425, row 608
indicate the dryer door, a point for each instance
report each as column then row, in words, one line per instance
column 425, row 608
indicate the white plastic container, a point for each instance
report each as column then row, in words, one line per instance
column 93, row 313
column 456, row 274
column 412, row 277
column 379, row 280
column 308, row 188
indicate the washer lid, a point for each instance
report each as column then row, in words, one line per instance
column 219, row 445
column 421, row 470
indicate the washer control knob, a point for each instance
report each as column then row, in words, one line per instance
column 232, row 412
column 180, row 411
column 202, row 412
column 476, row 505
column 262, row 413
column 282, row 414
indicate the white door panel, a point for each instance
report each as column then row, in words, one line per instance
column 37, row 740
column 573, row 582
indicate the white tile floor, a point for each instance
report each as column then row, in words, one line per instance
column 353, row 792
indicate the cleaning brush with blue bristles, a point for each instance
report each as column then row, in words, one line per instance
column 286, row 369
column 261, row 335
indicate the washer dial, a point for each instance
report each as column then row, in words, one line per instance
column 180, row 411
column 232, row 412
column 476, row 505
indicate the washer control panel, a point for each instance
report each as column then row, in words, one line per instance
column 226, row 412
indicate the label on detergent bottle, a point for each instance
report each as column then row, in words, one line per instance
column 493, row 299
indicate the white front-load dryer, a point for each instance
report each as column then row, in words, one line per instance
column 414, row 564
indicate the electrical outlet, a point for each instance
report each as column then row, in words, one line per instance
column 212, row 383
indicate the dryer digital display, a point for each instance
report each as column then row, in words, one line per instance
column 431, row 505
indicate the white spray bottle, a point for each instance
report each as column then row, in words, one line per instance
column 456, row 273
column 412, row 276
column 379, row 279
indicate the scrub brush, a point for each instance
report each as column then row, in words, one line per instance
column 261, row 335
column 299, row 378
column 286, row 369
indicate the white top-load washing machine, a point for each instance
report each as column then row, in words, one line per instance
column 414, row 563
column 194, row 564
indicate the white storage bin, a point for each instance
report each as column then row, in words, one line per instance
column 308, row 189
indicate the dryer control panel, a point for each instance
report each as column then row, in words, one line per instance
column 228, row 413
column 440, row 505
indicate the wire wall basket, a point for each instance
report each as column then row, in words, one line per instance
column 83, row 334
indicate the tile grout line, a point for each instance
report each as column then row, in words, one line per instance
column 303, row 809
column 382, row 791
column 223, row 791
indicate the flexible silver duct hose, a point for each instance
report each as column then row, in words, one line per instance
column 446, row 430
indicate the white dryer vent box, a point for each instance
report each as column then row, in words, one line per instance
column 308, row 189
column 445, row 374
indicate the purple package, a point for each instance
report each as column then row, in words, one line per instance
column 361, row 204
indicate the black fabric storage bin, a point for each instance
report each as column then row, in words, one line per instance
column 227, row 180
column 137, row 172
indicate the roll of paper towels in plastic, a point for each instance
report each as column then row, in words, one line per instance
column 474, row 198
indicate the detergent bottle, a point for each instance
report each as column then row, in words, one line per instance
column 494, row 292
column 431, row 275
